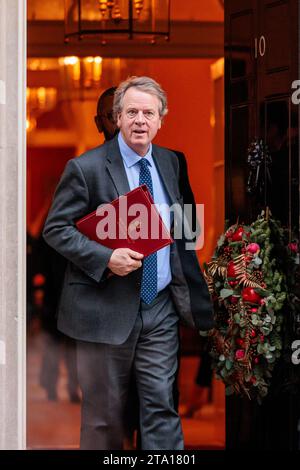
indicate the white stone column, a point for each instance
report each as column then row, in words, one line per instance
column 12, row 223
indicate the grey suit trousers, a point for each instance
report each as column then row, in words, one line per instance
column 104, row 372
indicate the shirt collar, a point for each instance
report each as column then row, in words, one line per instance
column 129, row 156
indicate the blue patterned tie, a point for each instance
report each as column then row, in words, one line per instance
column 149, row 278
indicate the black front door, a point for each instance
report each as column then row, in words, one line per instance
column 261, row 64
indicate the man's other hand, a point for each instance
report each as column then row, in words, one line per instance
column 123, row 261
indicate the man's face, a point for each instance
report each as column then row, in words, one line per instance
column 139, row 120
column 104, row 119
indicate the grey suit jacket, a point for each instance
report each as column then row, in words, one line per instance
column 93, row 307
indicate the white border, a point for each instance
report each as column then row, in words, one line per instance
column 21, row 283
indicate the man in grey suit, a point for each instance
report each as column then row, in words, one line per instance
column 127, row 321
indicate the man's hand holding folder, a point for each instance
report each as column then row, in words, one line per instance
column 123, row 261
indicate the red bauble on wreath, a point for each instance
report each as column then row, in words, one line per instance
column 238, row 234
column 249, row 295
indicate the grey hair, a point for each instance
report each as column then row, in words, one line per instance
column 145, row 84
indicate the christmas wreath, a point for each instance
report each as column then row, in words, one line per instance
column 248, row 288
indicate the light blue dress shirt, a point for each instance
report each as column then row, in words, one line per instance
column 132, row 168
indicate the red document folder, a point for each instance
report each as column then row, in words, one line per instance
column 143, row 232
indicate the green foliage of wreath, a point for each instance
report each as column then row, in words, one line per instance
column 248, row 287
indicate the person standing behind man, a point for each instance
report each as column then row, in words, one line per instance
column 128, row 321
column 104, row 118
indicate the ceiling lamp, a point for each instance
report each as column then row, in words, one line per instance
column 112, row 19
column 81, row 78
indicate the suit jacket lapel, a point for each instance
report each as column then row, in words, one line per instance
column 163, row 167
column 116, row 168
